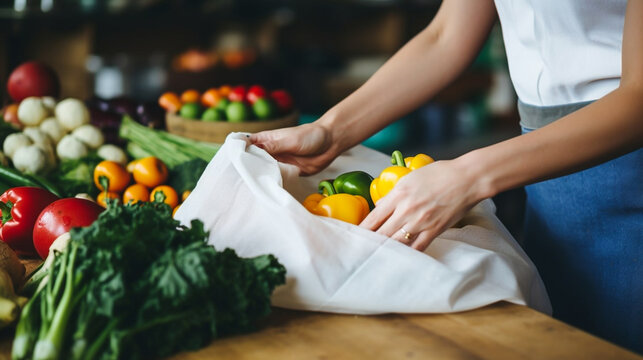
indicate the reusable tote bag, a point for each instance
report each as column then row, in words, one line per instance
column 251, row 203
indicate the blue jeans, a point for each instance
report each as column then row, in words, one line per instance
column 584, row 232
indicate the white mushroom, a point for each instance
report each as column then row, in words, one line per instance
column 37, row 136
column 30, row 159
column 31, row 111
column 72, row 113
column 14, row 142
column 71, row 148
column 52, row 128
column 113, row 153
column 90, row 135
column 49, row 103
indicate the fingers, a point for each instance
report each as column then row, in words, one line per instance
column 385, row 220
column 377, row 216
column 274, row 141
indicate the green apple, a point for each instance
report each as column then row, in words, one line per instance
column 213, row 114
column 190, row 111
column 222, row 104
column 263, row 109
column 237, row 111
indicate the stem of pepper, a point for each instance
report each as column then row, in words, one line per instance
column 327, row 185
column 397, row 158
column 6, row 211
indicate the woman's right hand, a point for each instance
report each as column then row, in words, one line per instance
column 309, row 146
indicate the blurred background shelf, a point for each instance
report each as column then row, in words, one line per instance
column 319, row 50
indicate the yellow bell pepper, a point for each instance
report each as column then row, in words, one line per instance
column 346, row 207
column 383, row 184
column 417, row 161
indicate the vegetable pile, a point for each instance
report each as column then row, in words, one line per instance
column 137, row 284
column 352, row 195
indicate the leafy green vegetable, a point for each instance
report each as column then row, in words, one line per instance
column 171, row 149
column 185, row 175
column 136, row 284
column 76, row 176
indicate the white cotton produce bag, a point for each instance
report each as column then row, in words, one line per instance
column 251, row 203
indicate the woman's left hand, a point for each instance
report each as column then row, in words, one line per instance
column 424, row 203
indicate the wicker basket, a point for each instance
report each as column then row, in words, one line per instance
column 216, row 131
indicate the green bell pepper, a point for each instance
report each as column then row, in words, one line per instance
column 354, row 183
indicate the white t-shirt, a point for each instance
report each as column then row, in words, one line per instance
column 562, row 51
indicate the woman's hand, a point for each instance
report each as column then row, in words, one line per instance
column 424, row 203
column 309, row 146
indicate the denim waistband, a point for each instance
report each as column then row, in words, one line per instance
column 534, row 117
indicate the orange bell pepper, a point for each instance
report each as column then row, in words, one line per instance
column 346, row 207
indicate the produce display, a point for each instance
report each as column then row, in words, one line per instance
column 143, row 180
column 137, row 284
column 90, row 187
column 237, row 104
column 352, row 195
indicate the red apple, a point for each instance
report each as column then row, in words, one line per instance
column 32, row 79
column 238, row 93
column 283, row 100
column 254, row 93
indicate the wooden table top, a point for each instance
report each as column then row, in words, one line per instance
column 499, row 331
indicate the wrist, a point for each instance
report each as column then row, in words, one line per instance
column 474, row 167
column 336, row 126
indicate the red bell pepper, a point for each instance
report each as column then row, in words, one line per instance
column 20, row 208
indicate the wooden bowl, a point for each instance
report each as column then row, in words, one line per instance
column 217, row 131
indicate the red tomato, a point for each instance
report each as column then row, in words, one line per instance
column 238, row 93
column 283, row 100
column 255, row 92
column 59, row 217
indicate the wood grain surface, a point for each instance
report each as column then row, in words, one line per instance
column 499, row 331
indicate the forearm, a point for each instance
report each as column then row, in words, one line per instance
column 608, row 128
column 420, row 69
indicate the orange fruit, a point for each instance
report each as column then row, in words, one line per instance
column 115, row 173
column 190, row 96
column 225, row 90
column 171, row 197
column 102, row 197
column 210, row 98
column 170, row 102
column 136, row 193
column 185, row 195
column 150, row 171
column 11, row 115
column 175, row 209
